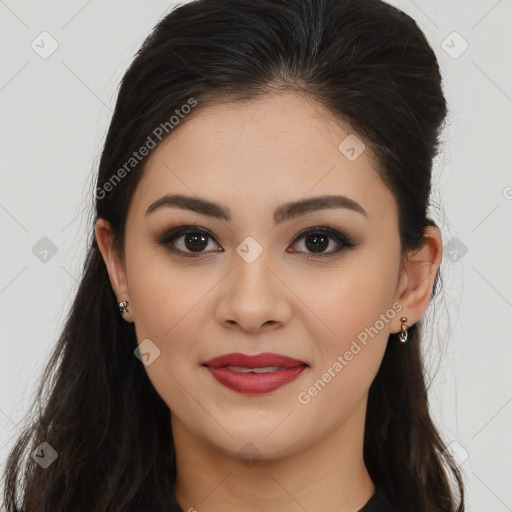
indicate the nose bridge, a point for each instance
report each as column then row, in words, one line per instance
column 252, row 295
column 251, row 275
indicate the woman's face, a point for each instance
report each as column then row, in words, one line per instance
column 260, row 286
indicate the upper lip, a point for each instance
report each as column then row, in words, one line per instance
column 262, row 360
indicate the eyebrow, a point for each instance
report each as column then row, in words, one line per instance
column 283, row 213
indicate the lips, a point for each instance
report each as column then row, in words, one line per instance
column 257, row 374
column 263, row 360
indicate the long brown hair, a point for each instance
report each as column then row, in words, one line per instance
column 371, row 66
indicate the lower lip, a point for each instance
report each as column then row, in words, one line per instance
column 256, row 383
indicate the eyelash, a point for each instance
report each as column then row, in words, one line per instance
column 170, row 236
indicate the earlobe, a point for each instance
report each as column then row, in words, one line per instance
column 420, row 270
column 115, row 268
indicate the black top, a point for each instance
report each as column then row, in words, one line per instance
column 377, row 503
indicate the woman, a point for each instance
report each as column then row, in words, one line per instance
column 247, row 328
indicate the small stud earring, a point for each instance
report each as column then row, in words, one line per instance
column 123, row 307
column 403, row 332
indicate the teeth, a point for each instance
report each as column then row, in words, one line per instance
column 254, row 370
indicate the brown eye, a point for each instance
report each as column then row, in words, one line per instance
column 187, row 241
column 318, row 239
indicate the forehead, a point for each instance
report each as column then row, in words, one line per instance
column 255, row 155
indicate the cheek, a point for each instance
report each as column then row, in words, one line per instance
column 166, row 307
column 351, row 299
column 356, row 313
column 169, row 307
column 354, row 304
column 164, row 297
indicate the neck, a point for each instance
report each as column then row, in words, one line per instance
column 328, row 474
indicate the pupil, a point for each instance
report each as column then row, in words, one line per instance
column 316, row 239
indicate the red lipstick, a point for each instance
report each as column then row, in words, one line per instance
column 258, row 374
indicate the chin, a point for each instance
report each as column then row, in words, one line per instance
column 250, row 444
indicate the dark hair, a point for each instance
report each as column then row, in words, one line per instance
column 369, row 65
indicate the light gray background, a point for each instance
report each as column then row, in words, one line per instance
column 54, row 116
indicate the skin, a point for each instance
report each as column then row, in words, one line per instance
column 252, row 157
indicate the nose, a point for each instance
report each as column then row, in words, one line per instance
column 253, row 297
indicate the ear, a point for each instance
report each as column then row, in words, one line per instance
column 417, row 277
column 115, row 267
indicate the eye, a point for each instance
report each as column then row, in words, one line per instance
column 318, row 239
column 191, row 241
